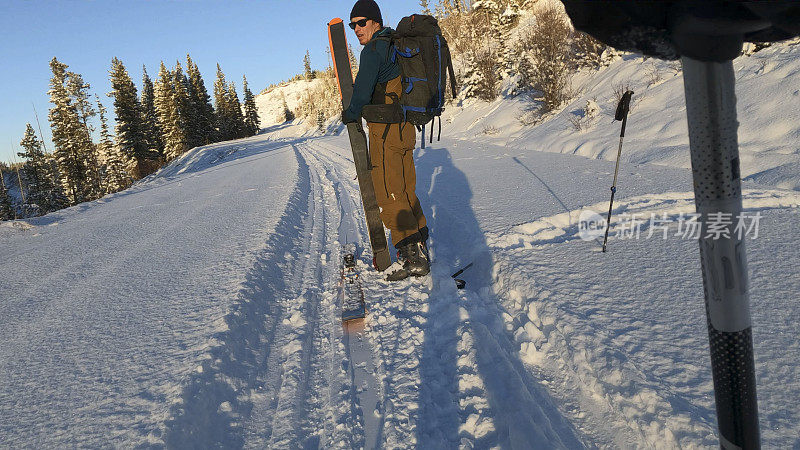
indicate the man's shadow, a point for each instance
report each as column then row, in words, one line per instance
column 457, row 240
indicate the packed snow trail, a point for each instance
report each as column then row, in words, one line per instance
column 213, row 321
column 307, row 383
column 110, row 307
column 419, row 347
column 496, row 364
column 383, row 388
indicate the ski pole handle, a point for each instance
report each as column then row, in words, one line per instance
column 461, row 271
column 624, row 106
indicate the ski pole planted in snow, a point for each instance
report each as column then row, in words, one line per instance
column 622, row 114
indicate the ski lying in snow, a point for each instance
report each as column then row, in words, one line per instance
column 358, row 143
column 351, row 294
column 359, row 364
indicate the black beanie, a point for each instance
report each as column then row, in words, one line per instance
column 368, row 9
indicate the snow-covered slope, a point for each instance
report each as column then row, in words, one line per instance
column 270, row 104
column 198, row 308
column 768, row 100
column 111, row 308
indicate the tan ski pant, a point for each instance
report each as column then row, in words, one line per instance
column 394, row 175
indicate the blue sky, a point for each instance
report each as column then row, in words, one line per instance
column 264, row 40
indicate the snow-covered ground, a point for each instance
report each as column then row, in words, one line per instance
column 198, row 308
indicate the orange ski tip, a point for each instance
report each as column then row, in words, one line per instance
column 335, row 21
column 354, row 326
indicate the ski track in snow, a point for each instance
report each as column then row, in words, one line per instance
column 541, row 349
column 436, row 376
column 540, row 352
column 448, row 376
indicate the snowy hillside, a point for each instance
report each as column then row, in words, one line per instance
column 270, row 104
column 768, row 101
column 198, row 308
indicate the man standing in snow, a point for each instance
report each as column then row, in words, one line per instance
column 391, row 153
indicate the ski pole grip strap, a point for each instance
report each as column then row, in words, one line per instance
column 624, row 106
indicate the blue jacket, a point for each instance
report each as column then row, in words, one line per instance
column 374, row 67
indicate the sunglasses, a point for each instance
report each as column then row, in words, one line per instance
column 360, row 23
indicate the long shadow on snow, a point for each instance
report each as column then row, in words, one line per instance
column 524, row 414
column 546, row 186
column 201, row 419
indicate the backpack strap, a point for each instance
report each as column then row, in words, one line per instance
column 382, row 37
column 452, row 73
column 389, row 39
column 374, row 42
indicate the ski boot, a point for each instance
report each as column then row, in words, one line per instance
column 412, row 260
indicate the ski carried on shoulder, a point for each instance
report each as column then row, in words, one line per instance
column 351, row 294
column 358, row 143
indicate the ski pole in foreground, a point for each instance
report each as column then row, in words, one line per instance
column 622, row 114
column 711, row 112
column 707, row 36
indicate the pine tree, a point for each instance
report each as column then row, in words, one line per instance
column 309, row 74
column 34, row 158
column 185, row 112
column 129, row 129
column 115, row 176
column 505, row 22
column 288, row 115
column 58, row 198
column 67, row 131
column 252, row 122
column 168, row 115
column 7, row 211
column 480, row 79
column 79, row 92
column 497, row 19
column 152, row 131
column 320, row 120
column 225, row 127
column 200, row 102
column 353, row 61
column 44, row 194
column 237, row 117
